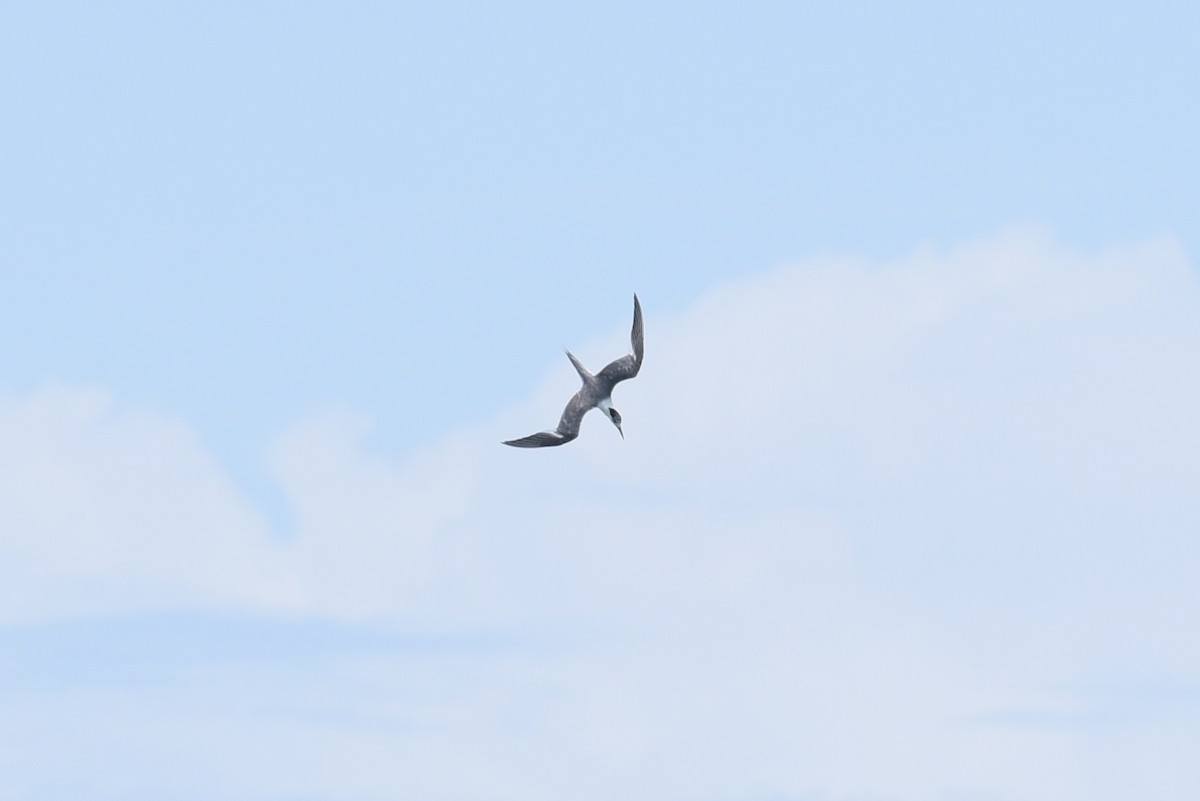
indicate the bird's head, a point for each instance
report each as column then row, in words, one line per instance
column 615, row 416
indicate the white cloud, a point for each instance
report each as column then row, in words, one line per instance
column 375, row 538
column 871, row 527
column 106, row 510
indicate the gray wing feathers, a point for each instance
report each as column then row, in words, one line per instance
column 568, row 426
column 627, row 366
column 544, row 439
column 576, row 408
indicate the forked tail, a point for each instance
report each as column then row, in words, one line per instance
column 579, row 368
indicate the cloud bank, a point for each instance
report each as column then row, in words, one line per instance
column 917, row 529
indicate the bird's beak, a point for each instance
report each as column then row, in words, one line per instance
column 622, row 433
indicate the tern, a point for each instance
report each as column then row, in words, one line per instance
column 596, row 393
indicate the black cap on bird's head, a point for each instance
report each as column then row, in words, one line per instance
column 615, row 416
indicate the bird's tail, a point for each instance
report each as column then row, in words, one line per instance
column 579, row 368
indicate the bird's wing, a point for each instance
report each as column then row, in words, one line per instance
column 627, row 366
column 568, row 426
column 543, row 439
column 576, row 408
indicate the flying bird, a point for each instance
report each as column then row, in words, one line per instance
column 596, row 393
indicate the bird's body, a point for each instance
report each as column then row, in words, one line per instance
column 596, row 392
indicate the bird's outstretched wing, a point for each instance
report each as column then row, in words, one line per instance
column 627, row 366
column 568, row 427
column 542, row 439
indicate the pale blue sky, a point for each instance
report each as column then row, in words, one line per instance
column 275, row 278
column 240, row 213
